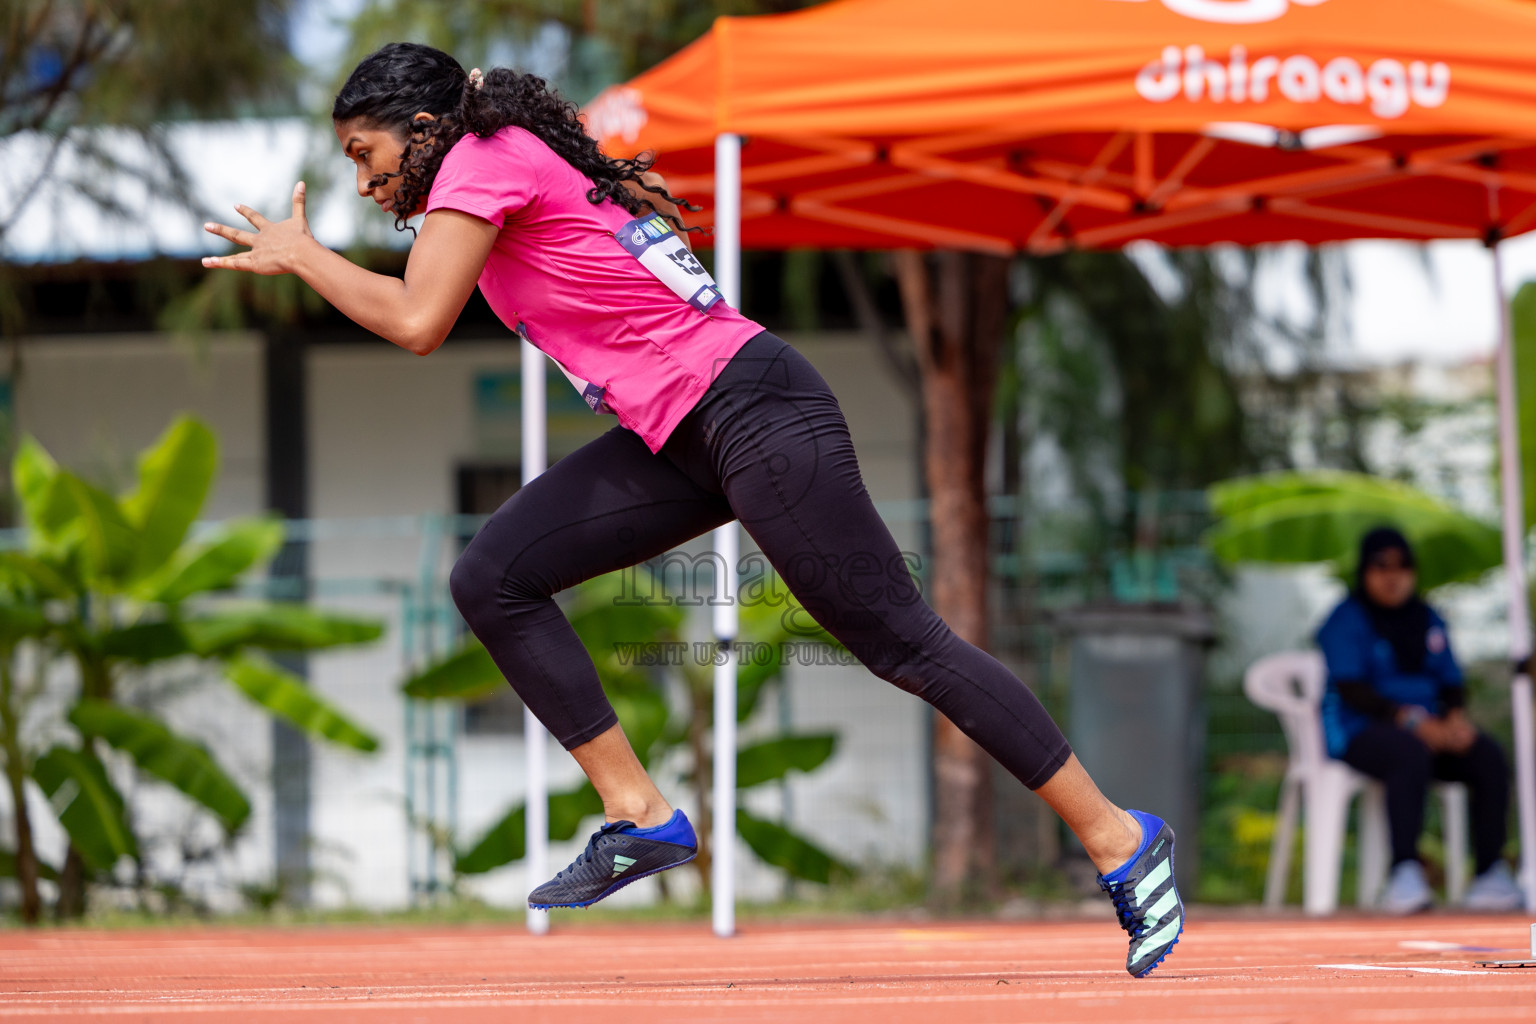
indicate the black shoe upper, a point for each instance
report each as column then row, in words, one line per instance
column 612, row 856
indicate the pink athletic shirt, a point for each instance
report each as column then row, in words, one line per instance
column 558, row 276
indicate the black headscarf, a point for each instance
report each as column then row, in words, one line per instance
column 1405, row 627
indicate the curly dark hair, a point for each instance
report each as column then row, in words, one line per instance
column 395, row 83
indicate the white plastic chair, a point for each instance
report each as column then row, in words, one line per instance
column 1290, row 684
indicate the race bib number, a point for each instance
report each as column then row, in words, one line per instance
column 660, row 250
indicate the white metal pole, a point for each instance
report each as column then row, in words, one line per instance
column 1519, row 604
column 728, row 277
column 535, row 738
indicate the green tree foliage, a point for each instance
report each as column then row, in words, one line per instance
column 88, row 88
column 602, row 43
column 106, row 588
column 1160, row 386
column 68, row 65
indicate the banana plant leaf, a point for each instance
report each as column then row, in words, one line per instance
column 27, row 573
column 505, row 841
column 1301, row 518
column 765, row 624
column 184, row 763
column 19, row 622
column 286, row 695
column 276, row 627
column 105, row 538
column 782, row 848
column 618, row 630
column 639, row 588
column 604, row 613
column 216, row 564
column 144, row 643
column 753, row 679
column 88, row 806
column 775, row 758
column 770, row 612
column 8, row 867
column 468, row 674
column 1229, row 497
column 46, row 505
column 643, row 715
column 175, row 475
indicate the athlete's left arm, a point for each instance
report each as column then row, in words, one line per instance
column 415, row 313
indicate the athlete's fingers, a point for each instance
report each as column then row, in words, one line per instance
column 239, row 261
column 259, row 222
column 298, row 202
column 235, row 235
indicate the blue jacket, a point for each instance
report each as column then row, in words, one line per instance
column 1354, row 651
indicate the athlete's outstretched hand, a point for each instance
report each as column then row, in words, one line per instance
column 274, row 247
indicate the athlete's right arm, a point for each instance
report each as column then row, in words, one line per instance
column 415, row 313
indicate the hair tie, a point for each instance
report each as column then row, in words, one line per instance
column 476, row 78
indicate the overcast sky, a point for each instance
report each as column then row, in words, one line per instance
column 1400, row 311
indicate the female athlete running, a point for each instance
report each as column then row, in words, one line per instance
column 717, row 420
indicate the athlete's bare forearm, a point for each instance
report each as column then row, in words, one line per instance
column 415, row 313
column 376, row 302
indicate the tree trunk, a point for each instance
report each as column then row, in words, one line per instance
column 956, row 308
column 15, row 774
column 71, row 902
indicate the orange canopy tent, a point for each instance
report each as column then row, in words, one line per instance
column 1035, row 125
column 1039, row 125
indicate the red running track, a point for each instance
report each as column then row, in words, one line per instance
column 1234, row 972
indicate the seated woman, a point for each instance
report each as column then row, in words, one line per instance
column 1395, row 710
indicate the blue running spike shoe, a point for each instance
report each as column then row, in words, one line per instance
column 617, row 854
column 1146, row 898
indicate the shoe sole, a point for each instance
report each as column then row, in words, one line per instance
column 615, row 887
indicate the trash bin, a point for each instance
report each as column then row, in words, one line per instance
column 1135, row 717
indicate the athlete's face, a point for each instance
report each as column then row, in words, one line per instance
column 373, row 151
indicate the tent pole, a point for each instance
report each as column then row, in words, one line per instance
column 1519, row 607
column 535, row 738
column 728, row 275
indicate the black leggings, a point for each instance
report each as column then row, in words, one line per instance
column 768, row 445
column 1405, row 765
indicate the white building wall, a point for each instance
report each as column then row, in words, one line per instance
column 95, row 400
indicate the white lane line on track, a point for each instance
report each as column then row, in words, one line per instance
column 1395, row 967
column 789, row 996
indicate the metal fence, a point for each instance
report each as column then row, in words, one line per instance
column 1040, row 567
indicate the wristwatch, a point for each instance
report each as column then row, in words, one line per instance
column 1410, row 716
